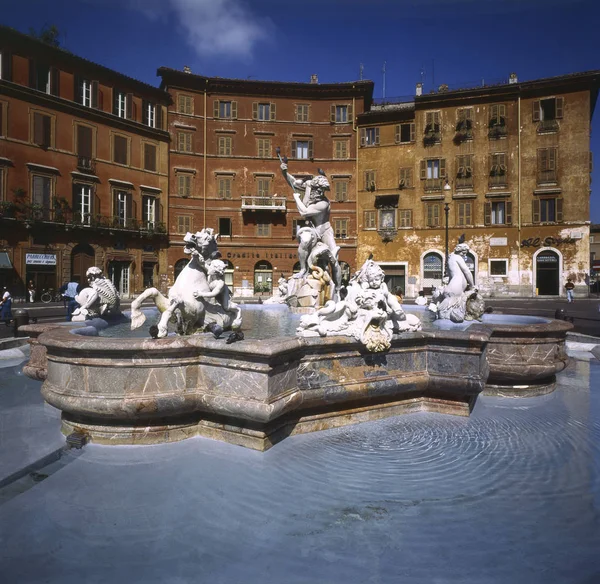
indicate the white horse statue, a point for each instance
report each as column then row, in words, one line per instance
column 199, row 295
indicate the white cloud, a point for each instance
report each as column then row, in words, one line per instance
column 212, row 27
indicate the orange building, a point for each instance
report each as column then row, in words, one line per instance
column 83, row 170
column 225, row 173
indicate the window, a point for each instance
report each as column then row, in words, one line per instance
column 548, row 210
column 149, row 211
column 41, row 195
column 264, row 147
column 263, row 111
column 120, row 147
column 405, row 133
column 464, row 123
column 224, row 187
column 151, row 114
column 225, row 227
column 498, row 213
column 341, row 114
column 149, row 157
column 464, row 171
column 433, row 171
column 5, row 65
column 405, row 217
column 432, row 270
column 548, row 110
column 387, row 219
column 340, row 149
column 369, row 136
column 297, row 224
column 263, row 230
column 87, row 92
column 433, row 214
column 2, row 189
column 263, row 187
column 406, row 178
column 547, row 165
column 302, row 149
column 370, row 180
column 225, row 145
column 184, row 185
column 85, row 137
column 302, row 110
column 184, row 141
column 370, row 220
column 43, row 78
column 464, row 213
column 42, row 130
column 497, row 121
column 122, row 208
column 340, row 227
column 184, row 223
column 498, row 170
column 431, row 132
column 341, row 191
column 3, row 109
column 185, row 104
column 225, row 110
column 82, row 204
column 122, row 104
column 498, row 267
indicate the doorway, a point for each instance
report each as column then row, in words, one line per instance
column 547, row 273
column 82, row 258
column 119, row 273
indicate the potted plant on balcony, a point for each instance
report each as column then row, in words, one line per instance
column 7, row 209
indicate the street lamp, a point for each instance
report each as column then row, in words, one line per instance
column 447, row 189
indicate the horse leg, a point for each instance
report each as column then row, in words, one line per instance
column 137, row 316
column 163, row 323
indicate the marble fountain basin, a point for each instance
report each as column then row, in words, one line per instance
column 256, row 392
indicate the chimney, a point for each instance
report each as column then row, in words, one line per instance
column 419, row 89
column 186, row 69
column 314, row 78
column 513, row 78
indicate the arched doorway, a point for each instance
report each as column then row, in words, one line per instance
column 82, row 258
column 263, row 277
column 179, row 265
column 470, row 261
column 547, row 273
column 433, row 269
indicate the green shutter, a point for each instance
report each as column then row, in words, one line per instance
column 397, row 134
column 273, row 112
column 332, row 113
column 560, row 103
column 442, row 168
column 350, row 114
column 559, row 210
column 95, row 90
column 294, row 148
column 216, row 109
column 536, row 211
column 310, row 150
column 234, row 110
column 423, row 169
column 363, row 136
column 487, row 213
column 254, row 110
column 508, row 213
column 377, row 136
column 535, row 114
column 412, row 132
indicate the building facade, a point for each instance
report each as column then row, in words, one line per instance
column 225, row 171
column 507, row 165
column 83, row 170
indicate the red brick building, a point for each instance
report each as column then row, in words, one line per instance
column 83, row 170
column 225, row 174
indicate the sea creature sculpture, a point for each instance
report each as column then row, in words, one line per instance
column 100, row 299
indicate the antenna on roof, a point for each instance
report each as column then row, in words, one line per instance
column 383, row 71
column 361, row 68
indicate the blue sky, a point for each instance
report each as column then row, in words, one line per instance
column 458, row 42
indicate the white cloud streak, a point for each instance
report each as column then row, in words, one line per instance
column 213, row 28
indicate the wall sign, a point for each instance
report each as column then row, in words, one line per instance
column 40, row 259
column 546, row 242
column 498, row 241
column 258, row 255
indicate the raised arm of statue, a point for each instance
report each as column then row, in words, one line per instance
column 294, row 183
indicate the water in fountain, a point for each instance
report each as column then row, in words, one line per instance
column 510, row 494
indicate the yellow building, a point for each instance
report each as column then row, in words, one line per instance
column 507, row 165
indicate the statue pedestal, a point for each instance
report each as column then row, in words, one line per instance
column 307, row 292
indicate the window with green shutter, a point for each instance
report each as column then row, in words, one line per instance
column 405, row 133
column 370, row 219
column 184, row 141
column 184, row 185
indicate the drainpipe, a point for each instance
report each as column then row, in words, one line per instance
column 204, row 161
column 519, row 192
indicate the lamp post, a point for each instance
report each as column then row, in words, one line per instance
column 447, row 189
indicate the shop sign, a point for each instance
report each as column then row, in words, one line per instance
column 498, row 241
column 258, row 256
column 40, row 259
column 546, row 242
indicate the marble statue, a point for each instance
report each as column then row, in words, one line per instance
column 100, row 299
column 458, row 300
column 199, row 297
column 282, row 289
column 370, row 312
column 316, row 242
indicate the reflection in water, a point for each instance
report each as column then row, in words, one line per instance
column 509, row 495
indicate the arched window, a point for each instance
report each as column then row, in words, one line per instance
column 433, row 268
column 263, row 277
column 180, row 264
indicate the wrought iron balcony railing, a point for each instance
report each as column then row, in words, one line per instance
column 86, row 164
column 547, row 176
column 547, row 126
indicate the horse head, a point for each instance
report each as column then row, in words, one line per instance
column 202, row 243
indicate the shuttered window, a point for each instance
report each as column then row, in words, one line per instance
column 340, row 149
column 498, row 213
column 42, row 130
column 433, row 214
column 263, row 230
column 340, row 228
column 263, row 187
column 497, row 115
column 302, row 149
column 84, row 141
column 369, row 136
column 547, row 165
column 149, row 157
column 405, row 217
column 464, row 213
column 547, row 210
column 341, row 114
column 225, row 146
column 464, row 171
column 225, row 110
column 263, row 112
column 404, row 133
column 370, row 220
column 548, row 109
column 185, row 104
column 224, row 187
column 302, row 110
column 498, row 170
column 184, row 185
column 341, row 191
column 120, row 147
column 264, row 147
column 184, row 223
column 405, row 180
column 184, row 141
column 370, row 180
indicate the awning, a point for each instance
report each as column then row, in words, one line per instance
column 386, row 201
column 5, row 263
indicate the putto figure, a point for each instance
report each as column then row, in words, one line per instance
column 100, row 299
column 317, row 246
column 199, row 297
column 370, row 313
column 459, row 299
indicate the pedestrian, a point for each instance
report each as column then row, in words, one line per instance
column 31, row 291
column 421, row 299
column 69, row 291
column 5, row 306
column 569, row 286
column 399, row 293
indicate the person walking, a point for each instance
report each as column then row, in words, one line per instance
column 5, row 306
column 31, row 291
column 569, row 286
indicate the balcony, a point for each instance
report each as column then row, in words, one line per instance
column 250, row 203
column 497, row 131
column 497, row 180
column 432, row 184
column 547, row 177
column 464, row 183
column 86, row 164
column 547, row 126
